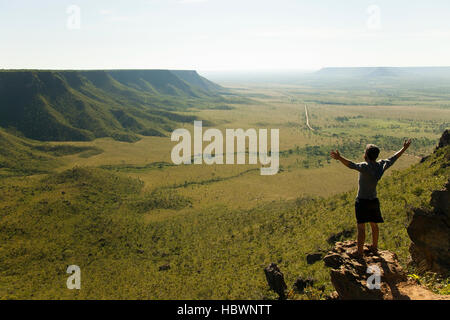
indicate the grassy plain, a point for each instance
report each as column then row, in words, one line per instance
column 243, row 186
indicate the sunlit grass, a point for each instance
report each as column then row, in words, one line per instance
column 217, row 226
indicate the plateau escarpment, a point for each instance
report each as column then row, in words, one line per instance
column 84, row 105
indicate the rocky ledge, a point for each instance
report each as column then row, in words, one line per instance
column 375, row 276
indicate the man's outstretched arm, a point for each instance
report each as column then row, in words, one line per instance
column 389, row 162
column 406, row 145
column 337, row 156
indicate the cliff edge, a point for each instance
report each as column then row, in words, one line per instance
column 373, row 277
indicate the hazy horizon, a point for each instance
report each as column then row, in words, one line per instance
column 227, row 70
column 215, row 35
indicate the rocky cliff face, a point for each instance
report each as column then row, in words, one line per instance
column 445, row 139
column 429, row 231
column 373, row 277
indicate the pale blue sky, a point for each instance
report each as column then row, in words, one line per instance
column 224, row 34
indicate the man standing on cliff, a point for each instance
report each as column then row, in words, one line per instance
column 367, row 205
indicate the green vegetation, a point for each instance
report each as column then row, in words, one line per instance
column 318, row 156
column 97, row 220
column 137, row 168
column 122, row 210
column 433, row 282
column 84, row 105
column 20, row 156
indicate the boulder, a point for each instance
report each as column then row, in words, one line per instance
column 332, row 296
column 275, row 279
column 314, row 257
column 349, row 274
column 444, row 140
column 300, row 284
column 429, row 231
column 355, row 278
column 164, row 267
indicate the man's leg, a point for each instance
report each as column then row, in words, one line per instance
column 361, row 237
column 375, row 233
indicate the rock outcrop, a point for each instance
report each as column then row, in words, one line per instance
column 372, row 277
column 443, row 142
column 275, row 279
column 429, row 231
column 312, row 258
column 301, row 284
column 445, row 139
column 164, row 267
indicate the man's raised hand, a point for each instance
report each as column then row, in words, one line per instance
column 406, row 144
column 335, row 155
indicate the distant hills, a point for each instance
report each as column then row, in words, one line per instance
column 84, row 105
column 385, row 72
column 337, row 76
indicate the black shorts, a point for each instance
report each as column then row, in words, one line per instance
column 368, row 211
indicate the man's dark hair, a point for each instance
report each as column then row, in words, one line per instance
column 372, row 152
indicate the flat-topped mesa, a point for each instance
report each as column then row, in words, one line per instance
column 52, row 105
column 373, row 277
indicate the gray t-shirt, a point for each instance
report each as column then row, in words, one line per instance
column 369, row 175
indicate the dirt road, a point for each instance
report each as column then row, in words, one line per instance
column 307, row 118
